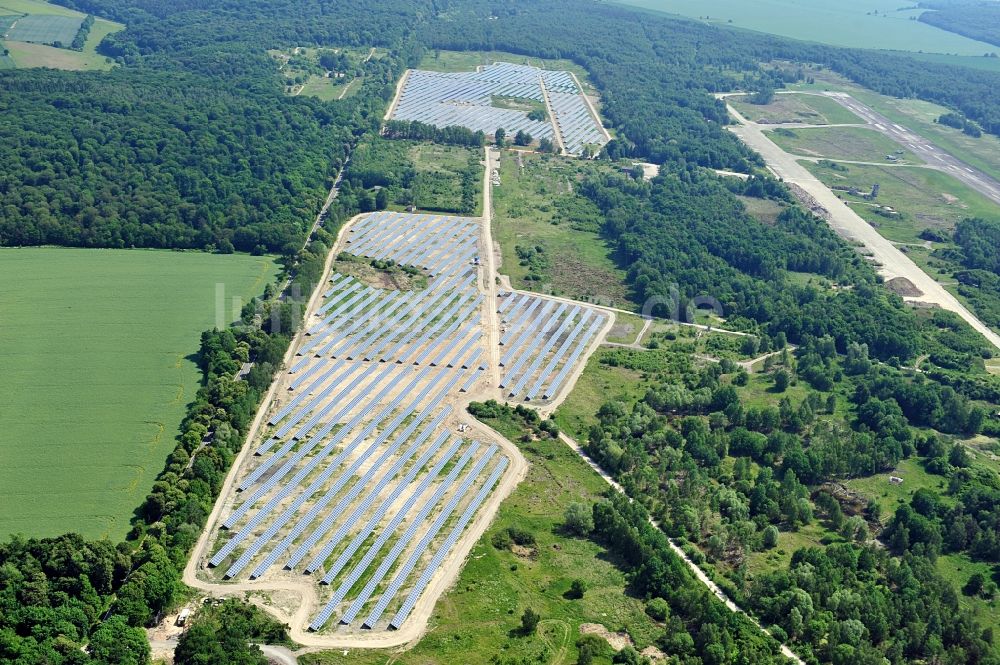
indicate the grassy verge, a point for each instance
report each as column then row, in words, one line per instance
column 808, row 109
column 923, row 198
column 919, row 116
column 850, row 143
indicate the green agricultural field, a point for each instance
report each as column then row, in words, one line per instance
column 35, row 7
column 25, row 55
column 477, row 619
column 536, row 208
column 988, row 64
column 97, row 354
column 874, row 24
column 45, row 29
column 808, row 109
column 924, row 198
column 847, row 143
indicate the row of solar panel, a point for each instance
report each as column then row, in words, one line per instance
column 406, row 541
column 316, row 462
column 575, row 122
column 352, row 313
column 466, row 100
column 533, row 328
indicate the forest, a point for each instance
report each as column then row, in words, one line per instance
column 976, row 18
column 131, row 149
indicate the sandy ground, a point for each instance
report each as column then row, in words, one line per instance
column 395, row 97
column 891, row 261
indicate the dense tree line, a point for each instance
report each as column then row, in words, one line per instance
column 81, row 35
column 421, row 131
column 977, row 19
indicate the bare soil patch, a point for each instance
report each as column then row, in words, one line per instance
column 903, row 287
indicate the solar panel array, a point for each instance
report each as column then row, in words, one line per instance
column 541, row 341
column 465, row 99
column 357, row 472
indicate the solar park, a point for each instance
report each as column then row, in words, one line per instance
column 364, row 479
column 465, row 99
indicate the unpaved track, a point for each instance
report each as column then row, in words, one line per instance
column 395, row 97
column 846, row 222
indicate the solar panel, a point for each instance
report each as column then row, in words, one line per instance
column 436, row 560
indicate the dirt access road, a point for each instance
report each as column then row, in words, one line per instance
column 846, row 222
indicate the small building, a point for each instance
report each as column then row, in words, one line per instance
column 895, row 480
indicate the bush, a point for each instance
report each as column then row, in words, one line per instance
column 529, row 621
column 658, row 609
column 501, row 540
column 579, row 518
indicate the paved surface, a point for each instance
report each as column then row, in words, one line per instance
column 892, row 262
column 934, row 156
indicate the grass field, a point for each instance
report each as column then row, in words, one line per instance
column 96, row 348
column 626, row 329
column 765, row 211
column 875, row 24
column 925, row 198
column 957, row 569
column 808, row 109
column 601, row 383
column 849, row 143
column 45, row 29
column 534, row 206
column 890, row 496
column 478, row 618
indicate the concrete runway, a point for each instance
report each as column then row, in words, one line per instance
column 918, row 145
